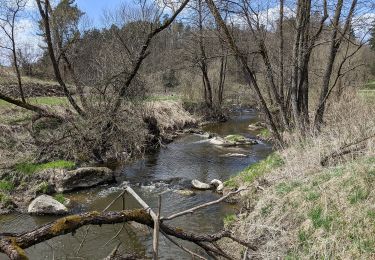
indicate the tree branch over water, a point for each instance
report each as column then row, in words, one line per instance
column 13, row 244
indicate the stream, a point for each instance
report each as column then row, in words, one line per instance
column 165, row 171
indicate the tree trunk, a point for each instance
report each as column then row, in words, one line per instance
column 249, row 74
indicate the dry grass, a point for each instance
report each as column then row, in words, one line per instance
column 314, row 212
column 170, row 115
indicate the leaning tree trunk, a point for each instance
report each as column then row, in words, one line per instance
column 249, row 74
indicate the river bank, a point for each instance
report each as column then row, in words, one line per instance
column 23, row 176
column 313, row 199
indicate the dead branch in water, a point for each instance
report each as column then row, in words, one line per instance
column 13, row 244
column 191, row 211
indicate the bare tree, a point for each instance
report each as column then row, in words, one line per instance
column 9, row 13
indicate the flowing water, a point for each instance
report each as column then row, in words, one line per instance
column 172, row 168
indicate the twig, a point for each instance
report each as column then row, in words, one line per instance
column 105, row 209
column 113, row 253
column 141, row 202
column 118, row 233
column 183, row 248
column 191, row 210
column 155, row 241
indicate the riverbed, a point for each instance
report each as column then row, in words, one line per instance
column 163, row 172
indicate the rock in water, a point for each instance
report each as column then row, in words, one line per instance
column 234, row 155
column 200, row 185
column 218, row 184
column 46, row 205
column 217, row 140
column 83, row 178
column 185, row 192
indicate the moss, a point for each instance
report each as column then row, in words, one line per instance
column 65, row 223
column 21, row 253
column 235, row 138
column 30, row 168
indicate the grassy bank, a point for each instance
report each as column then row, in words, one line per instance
column 298, row 209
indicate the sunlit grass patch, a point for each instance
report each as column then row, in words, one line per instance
column 51, row 101
column 163, row 98
column 30, row 168
column 256, row 170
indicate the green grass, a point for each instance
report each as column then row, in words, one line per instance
column 357, row 194
column 43, row 187
column 60, row 198
column 312, row 195
column 6, row 185
column 265, row 134
column 256, row 170
column 284, row 188
column 367, row 92
column 163, row 98
column 229, row 219
column 319, row 219
column 30, row 168
column 51, row 101
column 370, row 85
column 4, row 198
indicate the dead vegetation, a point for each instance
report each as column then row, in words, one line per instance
column 308, row 211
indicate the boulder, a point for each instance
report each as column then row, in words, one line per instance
column 234, row 140
column 46, row 205
column 200, row 185
column 217, row 140
column 217, row 184
column 83, row 178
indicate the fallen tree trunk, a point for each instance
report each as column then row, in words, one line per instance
column 13, row 245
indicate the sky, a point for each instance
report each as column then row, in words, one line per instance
column 27, row 29
column 94, row 8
